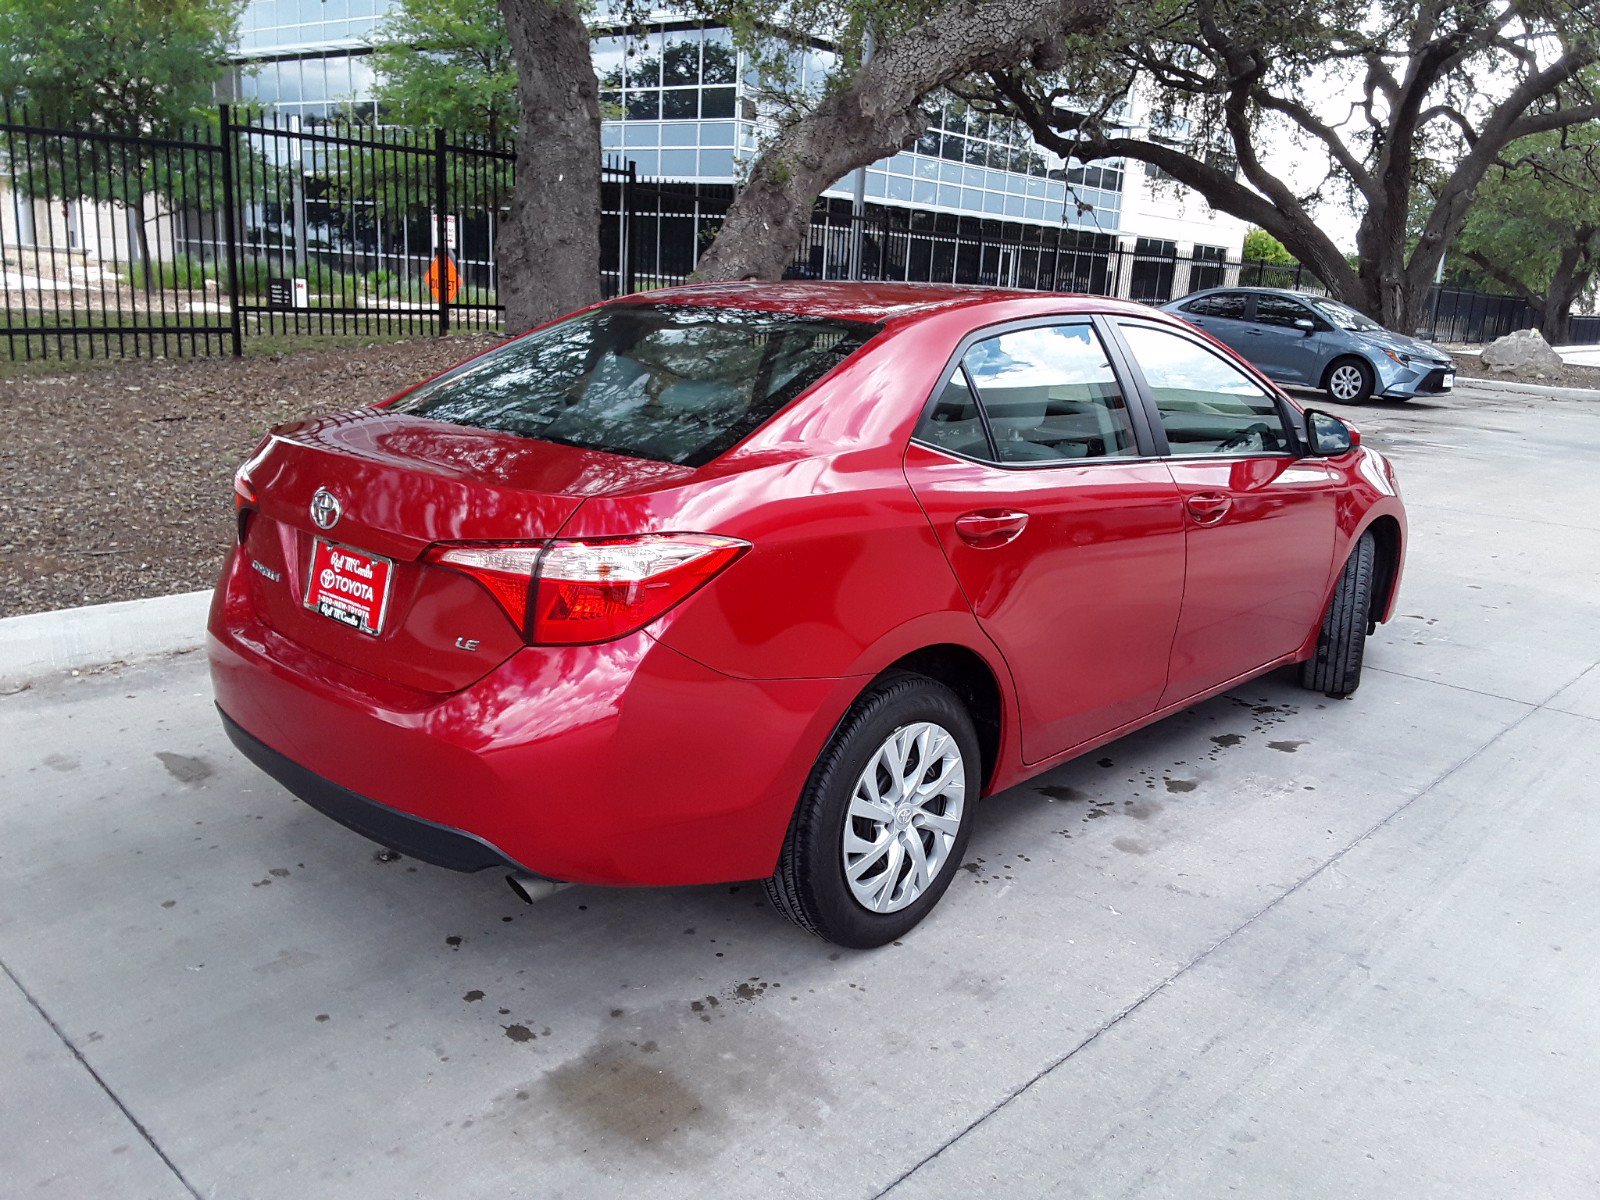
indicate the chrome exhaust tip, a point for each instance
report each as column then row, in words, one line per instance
column 531, row 889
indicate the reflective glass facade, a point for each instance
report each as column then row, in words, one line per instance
column 682, row 102
column 277, row 26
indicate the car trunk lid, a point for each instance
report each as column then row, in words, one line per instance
column 386, row 486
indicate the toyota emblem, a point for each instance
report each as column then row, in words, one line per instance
column 325, row 510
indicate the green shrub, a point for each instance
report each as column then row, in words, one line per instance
column 253, row 276
column 179, row 273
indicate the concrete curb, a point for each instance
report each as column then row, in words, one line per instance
column 74, row 639
column 1532, row 389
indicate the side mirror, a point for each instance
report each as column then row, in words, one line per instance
column 1306, row 325
column 1327, row 436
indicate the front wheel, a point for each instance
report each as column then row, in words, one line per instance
column 1335, row 669
column 1350, row 381
column 884, row 818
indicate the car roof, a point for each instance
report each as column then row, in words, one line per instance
column 1257, row 291
column 878, row 303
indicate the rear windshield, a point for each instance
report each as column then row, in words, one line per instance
column 674, row 383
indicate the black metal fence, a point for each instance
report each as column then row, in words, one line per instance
column 195, row 242
column 1458, row 315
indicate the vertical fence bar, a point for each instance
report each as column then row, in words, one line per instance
column 441, row 250
column 230, row 235
column 16, row 200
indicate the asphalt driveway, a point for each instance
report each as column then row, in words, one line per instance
column 1276, row 946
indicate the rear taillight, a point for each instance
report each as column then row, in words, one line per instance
column 574, row 592
column 244, row 501
column 244, row 492
column 505, row 572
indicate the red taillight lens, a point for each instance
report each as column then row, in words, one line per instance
column 244, row 502
column 598, row 589
column 576, row 592
column 244, row 492
column 504, row 571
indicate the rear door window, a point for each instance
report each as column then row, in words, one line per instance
column 1235, row 306
column 1207, row 405
column 1050, row 395
column 954, row 423
column 674, row 383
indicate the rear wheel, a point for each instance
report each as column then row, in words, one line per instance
column 1335, row 669
column 1350, row 381
column 884, row 818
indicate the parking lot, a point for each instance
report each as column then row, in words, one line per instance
column 1276, row 946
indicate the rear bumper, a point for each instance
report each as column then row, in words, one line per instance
column 412, row 836
column 624, row 763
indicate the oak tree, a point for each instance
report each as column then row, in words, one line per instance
column 1373, row 99
column 1534, row 228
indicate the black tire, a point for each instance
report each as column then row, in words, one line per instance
column 1335, row 669
column 809, row 886
column 1369, row 380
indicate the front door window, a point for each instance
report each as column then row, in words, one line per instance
column 1207, row 405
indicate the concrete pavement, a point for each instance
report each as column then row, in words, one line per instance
column 1277, row 945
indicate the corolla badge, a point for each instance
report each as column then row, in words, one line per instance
column 325, row 510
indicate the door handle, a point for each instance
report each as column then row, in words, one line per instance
column 1207, row 508
column 990, row 527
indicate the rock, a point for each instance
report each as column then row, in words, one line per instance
column 1524, row 352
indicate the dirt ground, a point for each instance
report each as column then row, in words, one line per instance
column 1565, row 376
column 115, row 482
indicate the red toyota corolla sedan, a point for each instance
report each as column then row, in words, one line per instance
column 775, row 581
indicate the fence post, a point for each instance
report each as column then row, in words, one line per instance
column 230, row 235
column 629, row 276
column 441, row 230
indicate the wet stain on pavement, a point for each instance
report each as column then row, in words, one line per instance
column 61, row 762
column 627, row 1099
column 184, row 768
column 1288, row 747
column 520, row 1033
column 473, row 996
column 1181, row 785
column 1058, row 791
column 1228, row 739
column 1130, row 845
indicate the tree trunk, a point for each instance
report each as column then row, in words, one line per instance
column 1557, row 326
column 1568, row 283
column 549, row 250
column 876, row 113
column 141, row 238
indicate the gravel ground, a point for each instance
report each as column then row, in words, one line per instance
column 115, row 482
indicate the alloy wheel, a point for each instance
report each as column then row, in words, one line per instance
column 1346, row 382
column 904, row 815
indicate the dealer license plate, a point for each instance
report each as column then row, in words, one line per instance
column 349, row 586
column 1448, row 382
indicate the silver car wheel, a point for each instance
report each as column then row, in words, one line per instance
column 905, row 812
column 1346, row 382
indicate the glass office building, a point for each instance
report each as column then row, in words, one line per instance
column 682, row 102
